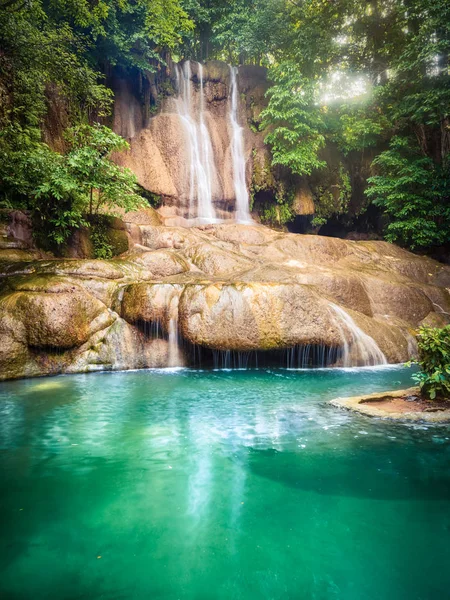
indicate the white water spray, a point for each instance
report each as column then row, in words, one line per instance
column 242, row 213
column 202, row 169
column 353, row 337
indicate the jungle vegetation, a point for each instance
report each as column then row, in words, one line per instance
column 370, row 78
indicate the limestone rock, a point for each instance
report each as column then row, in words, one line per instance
column 227, row 287
column 255, row 316
column 54, row 313
column 158, row 264
column 149, row 303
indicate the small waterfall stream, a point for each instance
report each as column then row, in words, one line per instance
column 353, row 336
column 242, row 213
column 202, row 167
column 175, row 357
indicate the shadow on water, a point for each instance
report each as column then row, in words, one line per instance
column 352, row 474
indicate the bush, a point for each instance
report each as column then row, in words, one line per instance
column 414, row 192
column 434, row 362
column 61, row 189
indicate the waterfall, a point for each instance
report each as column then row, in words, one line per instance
column 201, row 168
column 175, row 358
column 242, row 213
column 354, row 337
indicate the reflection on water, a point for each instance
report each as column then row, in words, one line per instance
column 192, row 484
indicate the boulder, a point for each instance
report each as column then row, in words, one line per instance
column 55, row 313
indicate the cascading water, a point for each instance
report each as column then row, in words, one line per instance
column 354, row 338
column 242, row 213
column 202, row 168
column 175, row 358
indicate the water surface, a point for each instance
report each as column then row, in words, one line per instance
column 218, row 485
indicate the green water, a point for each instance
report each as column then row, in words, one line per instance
column 227, row 485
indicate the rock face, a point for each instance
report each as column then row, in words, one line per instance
column 219, row 289
column 160, row 148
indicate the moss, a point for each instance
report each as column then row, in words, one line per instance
column 279, row 212
column 108, row 236
column 39, row 283
column 154, row 200
column 332, row 195
column 262, row 175
column 276, row 209
column 118, row 240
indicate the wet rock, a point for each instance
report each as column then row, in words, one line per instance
column 255, row 316
column 54, row 313
column 159, row 263
column 236, row 287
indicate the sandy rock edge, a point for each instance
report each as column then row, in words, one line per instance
column 361, row 404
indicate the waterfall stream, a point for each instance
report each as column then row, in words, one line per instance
column 242, row 213
column 175, row 357
column 202, row 172
column 353, row 337
column 202, row 167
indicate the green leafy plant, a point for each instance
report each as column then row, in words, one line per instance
column 294, row 120
column 101, row 182
column 414, row 192
column 61, row 189
column 434, row 362
column 332, row 196
column 280, row 212
column 99, row 238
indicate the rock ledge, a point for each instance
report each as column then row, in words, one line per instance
column 395, row 406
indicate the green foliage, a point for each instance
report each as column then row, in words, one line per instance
column 61, row 50
column 36, row 178
column 99, row 238
column 414, row 192
column 280, row 212
column 355, row 74
column 332, row 196
column 39, row 49
column 296, row 124
column 152, row 199
column 60, row 189
column 101, row 183
column 361, row 75
column 242, row 31
column 356, row 126
column 434, row 362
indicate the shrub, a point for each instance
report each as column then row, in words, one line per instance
column 414, row 192
column 61, row 189
column 434, row 362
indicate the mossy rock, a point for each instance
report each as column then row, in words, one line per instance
column 55, row 313
column 112, row 222
column 79, row 245
column 118, row 240
column 216, row 70
column 108, row 237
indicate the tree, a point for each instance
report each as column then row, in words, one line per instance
column 62, row 190
column 357, row 74
column 414, row 191
column 101, row 182
column 296, row 124
column 63, row 49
